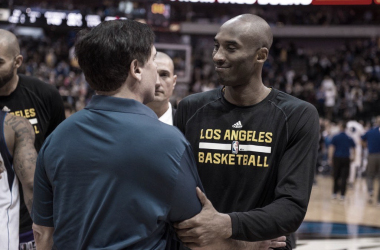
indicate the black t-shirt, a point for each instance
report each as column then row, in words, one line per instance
column 256, row 162
column 42, row 105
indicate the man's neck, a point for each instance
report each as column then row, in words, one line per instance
column 246, row 95
column 8, row 88
column 123, row 92
column 159, row 107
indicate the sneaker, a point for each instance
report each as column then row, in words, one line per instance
column 342, row 197
column 334, row 196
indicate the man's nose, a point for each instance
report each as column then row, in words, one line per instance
column 158, row 82
column 219, row 57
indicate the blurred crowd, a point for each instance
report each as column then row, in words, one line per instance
column 52, row 60
column 342, row 84
column 292, row 15
column 219, row 13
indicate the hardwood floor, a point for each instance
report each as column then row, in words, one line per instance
column 332, row 224
column 355, row 209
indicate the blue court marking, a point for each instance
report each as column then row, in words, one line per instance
column 318, row 230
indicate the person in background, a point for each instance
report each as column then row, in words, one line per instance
column 69, row 110
column 164, row 89
column 339, row 158
column 355, row 130
column 371, row 140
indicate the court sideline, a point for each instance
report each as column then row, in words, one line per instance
column 332, row 224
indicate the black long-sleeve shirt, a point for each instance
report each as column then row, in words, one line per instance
column 257, row 162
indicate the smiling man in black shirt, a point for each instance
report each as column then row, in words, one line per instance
column 255, row 146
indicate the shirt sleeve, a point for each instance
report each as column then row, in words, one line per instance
column 185, row 202
column 294, row 182
column 42, row 210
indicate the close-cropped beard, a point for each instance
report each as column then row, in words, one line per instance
column 6, row 78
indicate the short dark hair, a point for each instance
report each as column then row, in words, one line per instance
column 343, row 123
column 106, row 52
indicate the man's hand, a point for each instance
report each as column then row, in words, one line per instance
column 230, row 244
column 268, row 244
column 205, row 228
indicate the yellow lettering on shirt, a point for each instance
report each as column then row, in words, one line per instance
column 32, row 112
column 224, row 159
column 227, row 136
column 202, row 137
column 253, row 136
column 231, row 159
column 258, row 162
column 242, row 135
column 216, row 158
column 201, row 157
column 261, row 136
column 36, row 131
column 268, row 137
column 210, row 134
column 217, row 134
column 265, row 162
column 252, row 160
column 27, row 113
column 208, row 158
column 234, row 135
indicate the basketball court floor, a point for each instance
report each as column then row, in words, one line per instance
column 329, row 224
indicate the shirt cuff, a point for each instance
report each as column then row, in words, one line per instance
column 234, row 225
column 42, row 221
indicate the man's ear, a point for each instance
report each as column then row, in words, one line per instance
column 262, row 55
column 18, row 61
column 135, row 70
column 175, row 80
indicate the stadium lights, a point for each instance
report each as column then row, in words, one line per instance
column 93, row 20
column 285, row 2
column 4, row 14
column 238, row 1
column 55, row 17
column 261, row 2
column 110, row 18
